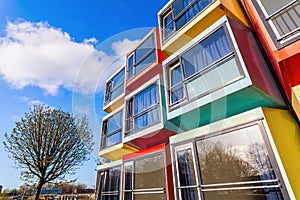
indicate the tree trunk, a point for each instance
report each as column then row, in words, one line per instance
column 38, row 189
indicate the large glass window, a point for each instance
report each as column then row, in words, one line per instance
column 114, row 87
column 112, row 130
column 192, row 75
column 231, row 165
column 109, row 184
column 144, row 178
column 142, row 110
column 183, row 11
column 283, row 17
column 142, row 57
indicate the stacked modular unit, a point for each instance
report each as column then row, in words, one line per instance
column 277, row 24
column 202, row 114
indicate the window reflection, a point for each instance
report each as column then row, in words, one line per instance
column 144, row 179
column 142, row 57
column 229, row 165
column 232, row 162
column 112, row 130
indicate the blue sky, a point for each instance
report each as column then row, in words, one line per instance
column 60, row 53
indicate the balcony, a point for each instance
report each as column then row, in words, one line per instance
column 241, row 157
column 145, row 116
column 281, row 19
column 182, row 20
column 147, row 174
column 278, row 27
column 111, row 143
column 212, row 77
column 144, row 62
column 114, row 93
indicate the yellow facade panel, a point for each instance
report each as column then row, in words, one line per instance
column 116, row 152
column 286, row 135
column 202, row 21
column 296, row 100
column 114, row 105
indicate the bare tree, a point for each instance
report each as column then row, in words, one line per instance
column 47, row 144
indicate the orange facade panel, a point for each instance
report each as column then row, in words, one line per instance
column 277, row 26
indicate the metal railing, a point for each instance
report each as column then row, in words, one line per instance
column 286, row 20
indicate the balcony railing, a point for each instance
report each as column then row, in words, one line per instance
column 179, row 14
column 114, row 87
column 286, row 20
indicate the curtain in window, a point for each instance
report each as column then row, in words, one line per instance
column 176, row 85
column 186, row 175
column 197, row 7
column 112, row 184
column 144, row 101
column 129, row 115
column 205, row 53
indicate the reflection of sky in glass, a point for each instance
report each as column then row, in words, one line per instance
column 115, row 122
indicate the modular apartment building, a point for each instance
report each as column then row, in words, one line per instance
column 196, row 113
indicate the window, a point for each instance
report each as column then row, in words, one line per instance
column 176, row 89
column 112, row 130
column 208, row 51
column 142, row 57
column 183, row 11
column 187, row 182
column 114, row 87
column 144, row 178
column 142, row 110
column 189, row 76
column 232, row 165
column 109, row 184
column 168, row 24
column 282, row 17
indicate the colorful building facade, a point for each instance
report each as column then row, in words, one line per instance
column 277, row 25
column 197, row 112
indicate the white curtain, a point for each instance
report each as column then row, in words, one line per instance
column 206, row 52
column 144, row 101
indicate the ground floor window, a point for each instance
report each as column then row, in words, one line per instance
column 108, row 184
column 144, row 178
column 237, row 164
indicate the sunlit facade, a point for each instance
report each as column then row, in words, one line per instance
column 198, row 111
column 277, row 24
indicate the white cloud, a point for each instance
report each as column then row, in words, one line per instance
column 38, row 54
